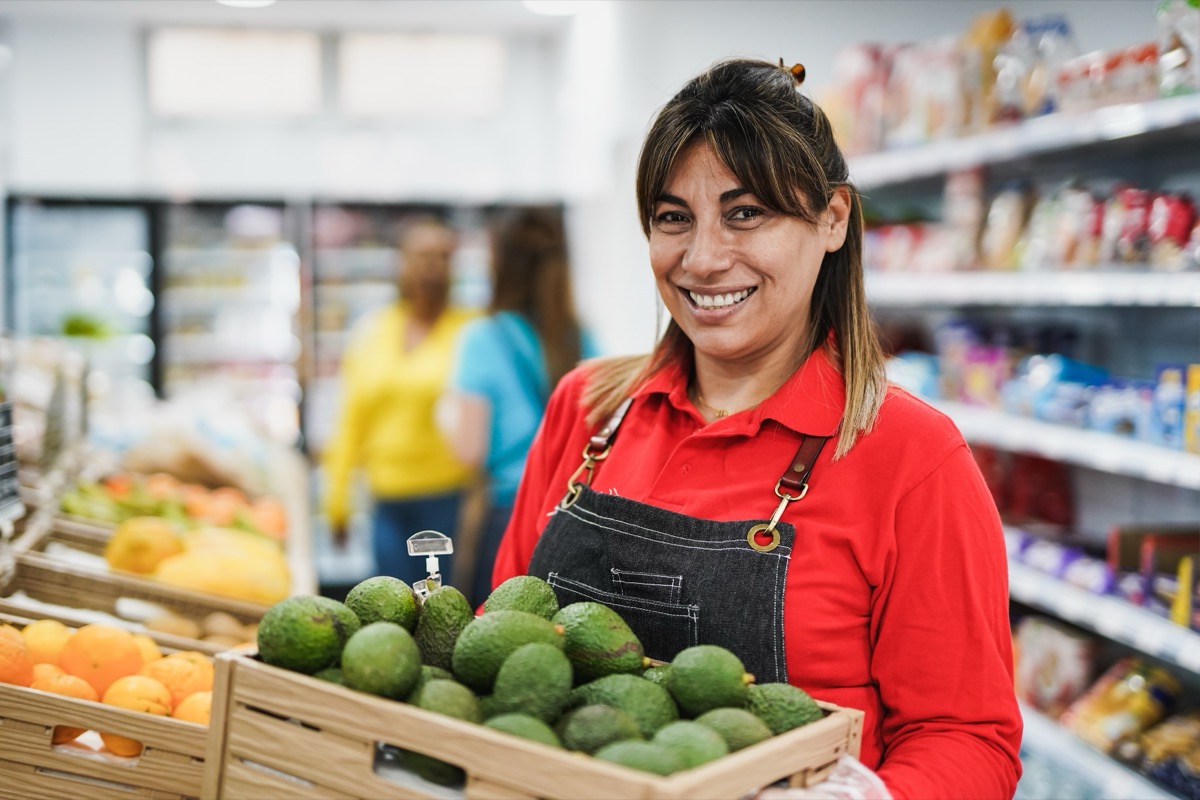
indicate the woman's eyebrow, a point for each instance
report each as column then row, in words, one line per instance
column 733, row 194
column 726, row 196
column 670, row 198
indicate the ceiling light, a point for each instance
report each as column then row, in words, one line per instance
column 552, row 8
column 246, row 3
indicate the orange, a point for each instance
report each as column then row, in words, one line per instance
column 44, row 672
column 139, row 693
column 196, row 708
column 100, row 654
column 181, row 676
column 45, row 639
column 204, row 664
column 70, row 686
column 9, row 632
column 148, row 646
column 16, row 666
column 269, row 516
column 161, row 486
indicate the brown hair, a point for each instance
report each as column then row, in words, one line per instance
column 781, row 147
column 532, row 277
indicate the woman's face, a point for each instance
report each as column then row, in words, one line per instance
column 736, row 277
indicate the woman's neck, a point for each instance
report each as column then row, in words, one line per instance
column 719, row 388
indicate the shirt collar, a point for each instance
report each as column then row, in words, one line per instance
column 810, row 402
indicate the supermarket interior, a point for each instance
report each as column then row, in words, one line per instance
column 205, row 207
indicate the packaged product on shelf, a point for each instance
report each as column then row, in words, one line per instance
column 1166, row 419
column 1056, row 665
column 1026, row 66
column 1122, row 407
column 1128, row 698
column 1179, row 46
column 925, row 100
column 1076, row 234
column 1172, row 220
column 1126, row 233
column 987, row 33
column 1191, row 410
column 963, row 211
column 855, row 103
column 1168, row 753
column 1006, row 218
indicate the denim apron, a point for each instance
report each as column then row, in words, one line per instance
column 678, row 581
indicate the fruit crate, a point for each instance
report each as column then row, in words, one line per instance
column 277, row 733
column 31, row 766
column 34, row 584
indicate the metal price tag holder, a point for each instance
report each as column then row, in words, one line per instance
column 430, row 544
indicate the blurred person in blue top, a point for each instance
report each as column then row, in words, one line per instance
column 507, row 363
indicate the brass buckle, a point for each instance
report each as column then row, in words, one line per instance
column 574, row 485
column 784, row 499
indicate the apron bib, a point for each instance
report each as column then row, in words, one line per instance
column 678, row 581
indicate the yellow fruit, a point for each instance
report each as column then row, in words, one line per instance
column 174, row 624
column 139, row 544
column 196, row 707
column 45, row 639
column 139, row 693
column 232, row 572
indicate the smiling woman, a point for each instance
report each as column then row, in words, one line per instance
column 720, row 517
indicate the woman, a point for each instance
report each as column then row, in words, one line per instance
column 506, row 365
column 393, row 372
column 754, row 482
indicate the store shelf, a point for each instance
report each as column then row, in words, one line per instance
column 1114, row 780
column 1092, row 288
column 1110, row 617
column 210, row 349
column 1029, row 138
column 1105, row 452
column 216, row 299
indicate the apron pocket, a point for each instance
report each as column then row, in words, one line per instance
column 647, row 585
column 663, row 628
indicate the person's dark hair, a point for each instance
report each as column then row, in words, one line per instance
column 781, row 146
column 531, row 276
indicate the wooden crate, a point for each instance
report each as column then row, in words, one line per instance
column 31, row 766
column 277, row 733
column 74, row 590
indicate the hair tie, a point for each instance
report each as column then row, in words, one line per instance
column 797, row 72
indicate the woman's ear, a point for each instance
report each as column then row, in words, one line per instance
column 837, row 219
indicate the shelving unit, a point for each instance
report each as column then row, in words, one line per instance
column 1105, row 452
column 1114, row 300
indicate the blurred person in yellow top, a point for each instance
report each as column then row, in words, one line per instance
column 393, row 373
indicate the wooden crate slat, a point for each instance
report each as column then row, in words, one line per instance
column 497, row 765
column 27, row 782
column 246, row 782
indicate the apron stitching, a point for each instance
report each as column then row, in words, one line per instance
column 568, row 583
column 597, row 515
column 780, row 552
column 620, row 573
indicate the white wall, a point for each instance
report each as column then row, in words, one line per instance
column 571, row 129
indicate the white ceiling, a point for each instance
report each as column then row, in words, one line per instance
column 499, row 16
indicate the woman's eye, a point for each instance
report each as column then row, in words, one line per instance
column 670, row 219
column 745, row 214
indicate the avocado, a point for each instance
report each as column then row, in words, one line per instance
column 305, row 633
column 536, row 680
column 443, row 616
column 383, row 598
column 707, row 676
column 448, row 697
column 588, row 728
column 488, row 640
column 454, row 700
column 523, row 593
column 598, row 641
column 649, row 704
column 783, row 706
column 694, row 743
column 382, row 659
column 429, row 673
column 657, row 673
column 526, row 727
column 737, row 726
column 645, row 756
column 331, row 674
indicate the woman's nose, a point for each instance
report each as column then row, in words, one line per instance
column 707, row 251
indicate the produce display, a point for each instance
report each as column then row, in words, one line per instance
column 105, row 664
column 124, row 495
column 574, row 678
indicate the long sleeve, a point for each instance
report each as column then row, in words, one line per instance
column 942, row 654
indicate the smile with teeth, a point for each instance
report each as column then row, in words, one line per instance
column 719, row 300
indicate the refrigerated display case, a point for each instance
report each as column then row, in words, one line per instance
column 84, row 272
column 230, row 305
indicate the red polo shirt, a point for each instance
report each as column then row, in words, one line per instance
column 897, row 588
